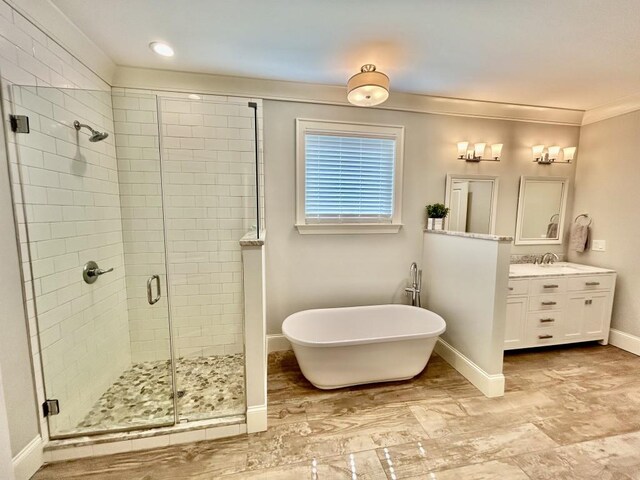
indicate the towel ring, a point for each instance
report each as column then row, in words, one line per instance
column 554, row 215
column 585, row 215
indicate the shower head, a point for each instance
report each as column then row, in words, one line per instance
column 95, row 135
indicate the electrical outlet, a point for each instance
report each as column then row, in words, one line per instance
column 599, row 245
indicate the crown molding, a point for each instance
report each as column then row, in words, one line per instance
column 614, row 109
column 167, row 80
column 45, row 16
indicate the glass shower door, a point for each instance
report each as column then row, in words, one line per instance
column 102, row 327
column 209, row 182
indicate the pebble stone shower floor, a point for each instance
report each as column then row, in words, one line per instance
column 208, row 387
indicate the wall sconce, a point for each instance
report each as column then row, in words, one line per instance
column 476, row 153
column 546, row 156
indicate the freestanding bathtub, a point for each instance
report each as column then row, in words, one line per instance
column 339, row 347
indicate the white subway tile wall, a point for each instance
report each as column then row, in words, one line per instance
column 138, row 153
column 67, row 189
column 29, row 57
column 209, row 190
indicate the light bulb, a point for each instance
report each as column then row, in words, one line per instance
column 462, row 149
column 496, row 151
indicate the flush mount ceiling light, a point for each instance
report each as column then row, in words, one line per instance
column 161, row 49
column 368, row 88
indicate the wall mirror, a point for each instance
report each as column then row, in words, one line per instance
column 541, row 210
column 472, row 200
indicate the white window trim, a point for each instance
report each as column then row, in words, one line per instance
column 330, row 126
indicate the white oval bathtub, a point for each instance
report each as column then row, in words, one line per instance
column 339, row 347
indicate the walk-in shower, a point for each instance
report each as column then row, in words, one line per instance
column 150, row 209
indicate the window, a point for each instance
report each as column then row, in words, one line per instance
column 349, row 177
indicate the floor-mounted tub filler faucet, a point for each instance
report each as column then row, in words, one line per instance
column 416, row 283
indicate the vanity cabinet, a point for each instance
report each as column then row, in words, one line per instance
column 553, row 310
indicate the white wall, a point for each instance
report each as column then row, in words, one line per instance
column 208, row 175
column 310, row 271
column 209, row 190
column 607, row 183
column 6, row 466
column 138, row 153
column 465, row 281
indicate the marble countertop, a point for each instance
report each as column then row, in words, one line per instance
column 529, row 270
column 480, row 236
column 251, row 240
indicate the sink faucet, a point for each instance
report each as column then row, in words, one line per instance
column 549, row 258
column 416, row 283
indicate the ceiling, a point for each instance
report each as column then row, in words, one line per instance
column 562, row 53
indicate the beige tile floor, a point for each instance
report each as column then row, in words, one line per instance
column 568, row 413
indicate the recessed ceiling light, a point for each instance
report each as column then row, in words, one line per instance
column 161, row 49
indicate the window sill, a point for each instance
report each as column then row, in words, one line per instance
column 347, row 229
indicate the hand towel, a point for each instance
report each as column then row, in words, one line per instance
column 579, row 237
column 552, row 230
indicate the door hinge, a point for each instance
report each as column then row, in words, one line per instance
column 51, row 407
column 19, row 123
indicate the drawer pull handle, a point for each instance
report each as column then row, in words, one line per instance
column 547, row 320
column 546, row 304
column 550, row 286
column 591, row 284
column 510, row 289
column 545, row 337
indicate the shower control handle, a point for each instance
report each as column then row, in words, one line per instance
column 91, row 271
column 150, row 298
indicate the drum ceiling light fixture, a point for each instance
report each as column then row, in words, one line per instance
column 368, row 88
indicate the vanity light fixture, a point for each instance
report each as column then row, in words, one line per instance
column 569, row 153
column 548, row 155
column 476, row 154
column 368, row 88
column 161, row 49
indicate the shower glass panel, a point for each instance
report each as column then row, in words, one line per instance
column 104, row 349
column 209, row 183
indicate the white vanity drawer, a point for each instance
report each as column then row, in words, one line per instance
column 544, row 320
column 548, row 285
column 543, row 336
column 595, row 282
column 546, row 302
column 518, row 287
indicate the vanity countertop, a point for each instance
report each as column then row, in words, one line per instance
column 529, row 270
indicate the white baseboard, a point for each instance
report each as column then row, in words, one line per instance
column 28, row 460
column 257, row 419
column 489, row 385
column 277, row 343
column 625, row 341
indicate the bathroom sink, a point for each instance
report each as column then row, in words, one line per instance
column 558, row 268
column 563, row 267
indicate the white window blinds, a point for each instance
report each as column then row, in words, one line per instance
column 348, row 178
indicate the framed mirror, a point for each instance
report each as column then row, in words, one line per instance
column 541, row 210
column 472, row 200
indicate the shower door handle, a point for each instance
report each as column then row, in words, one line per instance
column 150, row 298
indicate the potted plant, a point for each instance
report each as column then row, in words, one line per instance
column 436, row 213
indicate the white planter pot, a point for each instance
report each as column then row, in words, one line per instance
column 435, row 223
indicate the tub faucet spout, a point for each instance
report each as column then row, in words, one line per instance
column 416, row 284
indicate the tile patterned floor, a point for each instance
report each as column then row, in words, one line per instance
column 208, row 387
column 568, row 413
